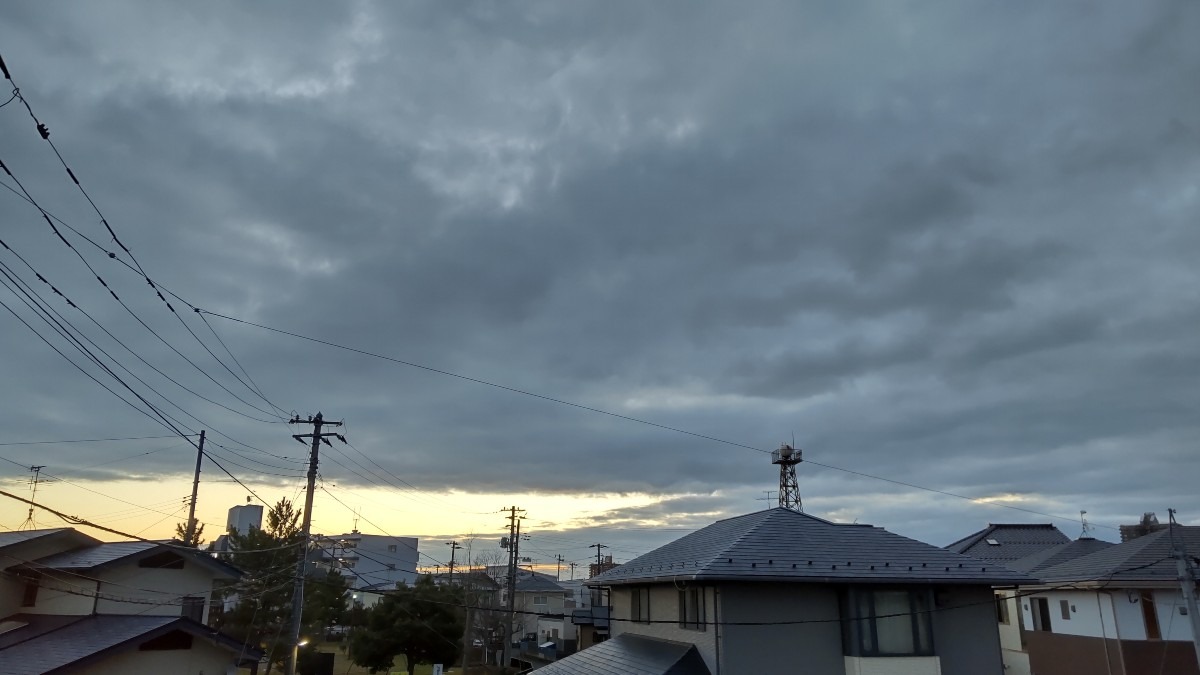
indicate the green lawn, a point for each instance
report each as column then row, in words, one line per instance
column 343, row 666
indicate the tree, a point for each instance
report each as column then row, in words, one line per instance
column 423, row 622
column 263, row 597
column 197, row 537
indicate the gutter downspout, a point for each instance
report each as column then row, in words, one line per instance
column 1112, row 604
column 1104, row 634
column 717, row 624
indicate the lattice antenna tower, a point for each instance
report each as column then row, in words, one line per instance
column 787, row 458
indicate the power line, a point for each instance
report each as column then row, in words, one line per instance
column 89, row 440
column 551, row 399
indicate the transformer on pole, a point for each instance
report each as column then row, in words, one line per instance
column 787, row 458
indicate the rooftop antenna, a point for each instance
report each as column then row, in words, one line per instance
column 1087, row 527
column 34, row 480
column 354, row 530
column 787, row 457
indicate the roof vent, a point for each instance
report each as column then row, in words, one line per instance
column 992, row 542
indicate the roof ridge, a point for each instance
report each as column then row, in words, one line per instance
column 746, row 533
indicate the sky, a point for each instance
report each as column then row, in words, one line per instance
column 945, row 245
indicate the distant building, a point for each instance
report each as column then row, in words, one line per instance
column 242, row 518
column 1147, row 525
column 596, row 569
column 369, row 560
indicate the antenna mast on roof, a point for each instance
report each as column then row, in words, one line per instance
column 787, row 458
column 33, row 486
column 1087, row 527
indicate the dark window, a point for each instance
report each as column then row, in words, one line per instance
column 176, row 639
column 1150, row 615
column 1064, row 608
column 29, row 597
column 165, row 560
column 1040, row 608
column 193, row 608
column 886, row 622
column 1001, row 609
column 691, row 608
column 640, row 605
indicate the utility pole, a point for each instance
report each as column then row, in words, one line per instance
column 302, row 556
column 514, row 535
column 468, row 599
column 573, row 565
column 454, row 546
column 191, row 521
column 558, row 572
column 598, row 547
column 1187, row 583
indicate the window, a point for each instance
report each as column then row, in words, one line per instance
column 691, row 608
column 1064, row 608
column 193, row 608
column 29, row 597
column 539, row 599
column 391, row 548
column 639, row 609
column 1040, row 608
column 1150, row 616
column 886, row 622
column 1002, row 609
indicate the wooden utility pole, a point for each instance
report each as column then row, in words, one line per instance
column 191, row 521
column 302, row 555
column 599, row 563
column 514, row 535
column 558, row 572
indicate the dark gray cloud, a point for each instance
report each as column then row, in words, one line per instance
column 951, row 246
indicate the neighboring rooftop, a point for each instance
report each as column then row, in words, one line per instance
column 100, row 555
column 783, row 545
column 629, row 654
column 539, row 583
column 53, row 644
column 1146, row 559
column 1056, row 555
column 1006, row 542
column 18, row 537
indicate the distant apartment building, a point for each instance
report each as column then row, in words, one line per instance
column 242, row 518
column 369, row 561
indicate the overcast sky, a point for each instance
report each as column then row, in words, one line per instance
column 952, row 245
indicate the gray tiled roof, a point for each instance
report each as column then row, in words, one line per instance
column 1145, row 559
column 94, row 635
column 538, row 584
column 94, row 556
column 783, row 545
column 15, row 537
column 1013, row 541
column 1056, row 555
column 91, row 557
column 629, row 654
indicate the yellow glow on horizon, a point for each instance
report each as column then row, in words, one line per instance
column 151, row 509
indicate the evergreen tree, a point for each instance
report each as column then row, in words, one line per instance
column 423, row 622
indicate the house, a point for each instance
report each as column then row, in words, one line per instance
column 1117, row 609
column 1023, row 547
column 589, row 613
column 781, row 591
column 71, row 603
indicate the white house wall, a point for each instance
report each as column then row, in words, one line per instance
column 1110, row 614
column 202, row 659
column 163, row 588
column 63, row 594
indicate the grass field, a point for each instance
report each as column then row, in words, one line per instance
column 343, row 666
